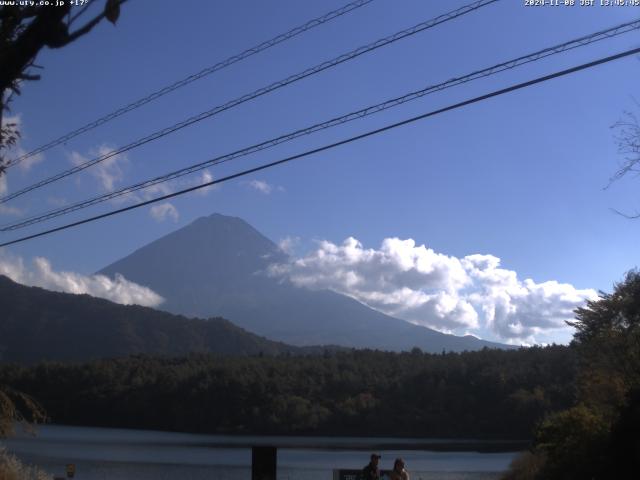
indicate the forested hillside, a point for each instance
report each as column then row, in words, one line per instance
column 38, row 325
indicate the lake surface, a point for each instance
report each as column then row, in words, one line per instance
column 115, row 454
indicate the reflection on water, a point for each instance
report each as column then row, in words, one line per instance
column 133, row 454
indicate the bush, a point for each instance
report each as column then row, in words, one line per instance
column 574, row 442
column 526, row 466
column 13, row 469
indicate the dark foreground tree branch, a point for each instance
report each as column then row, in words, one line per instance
column 24, row 32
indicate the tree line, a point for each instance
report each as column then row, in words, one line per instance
column 483, row 394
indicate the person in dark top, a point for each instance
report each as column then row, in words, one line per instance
column 371, row 471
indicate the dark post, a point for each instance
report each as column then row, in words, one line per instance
column 263, row 463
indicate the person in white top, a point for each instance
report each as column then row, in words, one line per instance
column 399, row 472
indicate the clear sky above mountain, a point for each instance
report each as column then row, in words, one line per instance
column 520, row 177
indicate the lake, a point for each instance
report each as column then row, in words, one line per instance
column 114, row 454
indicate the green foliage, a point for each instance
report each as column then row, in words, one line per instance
column 599, row 437
column 608, row 333
column 612, row 314
column 489, row 393
column 608, row 343
column 573, row 442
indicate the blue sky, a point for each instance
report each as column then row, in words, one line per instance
column 520, row 177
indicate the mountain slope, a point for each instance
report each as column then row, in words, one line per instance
column 216, row 266
column 37, row 324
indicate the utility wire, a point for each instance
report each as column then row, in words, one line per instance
column 522, row 60
column 196, row 76
column 355, row 138
column 262, row 91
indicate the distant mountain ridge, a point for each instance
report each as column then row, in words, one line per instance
column 38, row 325
column 216, row 266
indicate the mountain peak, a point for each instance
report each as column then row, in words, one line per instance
column 220, row 218
column 213, row 254
column 218, row 224
column 217, row 266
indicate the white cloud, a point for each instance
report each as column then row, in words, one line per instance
column 3, row 185
column 288, row 244
column 205, row 177
column 157, row 190
column 28, row 162
column 119, row 290
column 416, row 284
column 166, row 188
column 521, row 310
column 163, row 211
column 261, row 186
column 108, row 172
column 4, row 189
column 148, row 193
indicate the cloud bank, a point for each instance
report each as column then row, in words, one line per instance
column 41, row 274
column 447, row 293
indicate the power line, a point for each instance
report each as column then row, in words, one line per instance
column 257, row 93
column 194, row 77
column 355, row 138
column 519, row 61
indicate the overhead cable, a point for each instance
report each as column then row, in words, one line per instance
column 257, row 93
column 510, row 64
column 352, row 139
column 194, row 77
